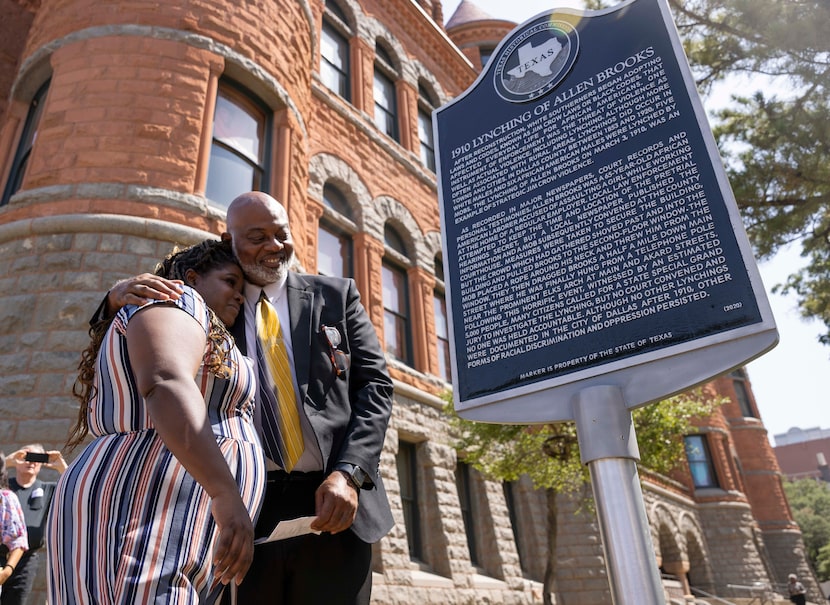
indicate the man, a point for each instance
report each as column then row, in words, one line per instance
column 35, row 498
column 342, row 393
column 798, row 594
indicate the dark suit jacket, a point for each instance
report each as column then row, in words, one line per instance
column 349, row 414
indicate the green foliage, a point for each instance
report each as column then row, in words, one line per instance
column 810, row 504
column 660, row 428
column 822, row 564
column 549, row 453
column 776, row 147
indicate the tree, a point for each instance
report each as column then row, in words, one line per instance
column 810, row 502
column 776, row 148
column 549, row 454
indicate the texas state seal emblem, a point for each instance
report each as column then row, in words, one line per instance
column 535, row 60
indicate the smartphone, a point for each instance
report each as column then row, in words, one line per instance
column 37, row 457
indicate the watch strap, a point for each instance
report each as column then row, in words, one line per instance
column 353, row 472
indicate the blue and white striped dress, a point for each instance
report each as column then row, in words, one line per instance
column 128, row 523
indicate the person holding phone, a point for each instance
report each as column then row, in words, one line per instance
column 13, row 538
column 35, row 498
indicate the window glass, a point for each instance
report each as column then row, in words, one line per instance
column 463, row 482
column 509, row 488
column 237, row 156
column 385, row 105
column 700, row 461
column 238, row 127
column 334, row 252
column 426, row 139
column 742, row 393
column 228, row 176
column 334, row 61
column 334, row 242
column 393, row 240
column 438, row 268
column 395, row 320
column 335, row 9
column 408, row 479
column 425, row 107
column 24, row 148
column 484, row 53
column 442, row 331
column 333, row 198
column 383, row 54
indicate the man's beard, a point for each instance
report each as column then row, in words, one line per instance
column 259, row 275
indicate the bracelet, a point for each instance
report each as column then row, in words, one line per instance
column 9, row 565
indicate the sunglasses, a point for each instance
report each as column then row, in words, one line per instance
column 338, row 358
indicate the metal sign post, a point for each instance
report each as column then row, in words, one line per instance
column 608, row 446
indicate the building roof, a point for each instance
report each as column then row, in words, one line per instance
column 467, row 12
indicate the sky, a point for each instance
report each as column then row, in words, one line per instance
column 792, row 381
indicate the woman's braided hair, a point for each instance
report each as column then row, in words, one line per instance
column 202, row 258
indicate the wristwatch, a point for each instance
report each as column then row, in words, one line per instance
column 353, row 473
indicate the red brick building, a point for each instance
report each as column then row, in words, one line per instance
column 804, row 453
column 126, row 127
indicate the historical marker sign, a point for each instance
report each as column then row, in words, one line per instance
column 590, row 233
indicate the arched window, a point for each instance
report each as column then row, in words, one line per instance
column 24, row 148
column 739, row 381
column 700, row 461
column 240, row 151
column 334, row 240
column 425, row 107
column 386, row 104
column 396, row 324
column 484, row 53
column 335, row 67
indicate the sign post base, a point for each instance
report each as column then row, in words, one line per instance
column 608, row 446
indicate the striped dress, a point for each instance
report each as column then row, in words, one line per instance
column 128, row 523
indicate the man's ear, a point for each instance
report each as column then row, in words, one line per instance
column 191, row 277
column 226, row 237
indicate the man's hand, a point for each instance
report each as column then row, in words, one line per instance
column 56, row 461
column 140, row 289
column 336, row 504
column 17, row 457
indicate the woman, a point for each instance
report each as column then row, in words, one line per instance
column 13, row 539
column 158, row 507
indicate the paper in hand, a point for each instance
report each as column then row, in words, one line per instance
column 289, row 528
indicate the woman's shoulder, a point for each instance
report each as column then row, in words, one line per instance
column 190, row 301
column 8, row 497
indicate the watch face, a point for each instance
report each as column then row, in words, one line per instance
column 358, row 475
column 354, row 473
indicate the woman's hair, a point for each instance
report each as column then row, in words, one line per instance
column 202, row 258
column 4, row 475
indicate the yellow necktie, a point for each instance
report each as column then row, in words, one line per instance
column 275, row 355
